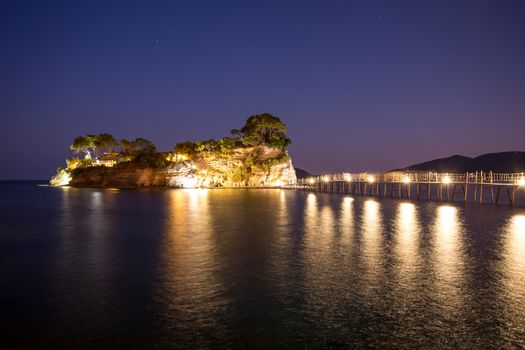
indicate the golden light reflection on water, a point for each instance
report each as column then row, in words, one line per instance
column 513, row 269
column 371, row 240
column 406, row 248
column 319, row 226
column 282, row 222
column 321, row 264
column 190, row 280
column 311, row 224
column 346, row 223
column 448, row 256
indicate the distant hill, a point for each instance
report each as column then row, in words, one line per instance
column 502, row 162
column 302, row 174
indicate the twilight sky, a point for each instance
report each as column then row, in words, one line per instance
column 362, row 85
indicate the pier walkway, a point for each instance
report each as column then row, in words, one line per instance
column 479, row 186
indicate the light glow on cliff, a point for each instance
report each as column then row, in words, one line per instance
column 63, row 178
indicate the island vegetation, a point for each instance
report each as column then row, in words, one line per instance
column 257, row 147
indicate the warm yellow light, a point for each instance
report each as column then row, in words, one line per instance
column 406, row 179
column 446, row 179
column 326, row 179
column 371, row 178
column 311, row 180
column 521, row 181
column 348, row 177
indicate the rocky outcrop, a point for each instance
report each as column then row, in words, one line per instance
column 241, row 167
column 126, row 177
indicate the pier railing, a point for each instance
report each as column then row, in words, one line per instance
column 415, row 185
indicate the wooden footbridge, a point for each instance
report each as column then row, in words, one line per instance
column 478, row 187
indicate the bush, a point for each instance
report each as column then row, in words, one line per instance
column 149, row 160
column 187, row 148
column 227, row 144
column 73, row 163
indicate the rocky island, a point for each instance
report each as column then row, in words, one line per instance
column 254, row 156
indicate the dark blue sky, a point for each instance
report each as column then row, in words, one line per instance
column 362, row 85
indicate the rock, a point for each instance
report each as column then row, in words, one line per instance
column 242, row 167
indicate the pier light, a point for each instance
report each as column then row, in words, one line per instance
column 521, row 182
column 406, row 179
column 446, row 179
column 311, row 181
column 371, row 179
column 326, row 179
column 348, row 177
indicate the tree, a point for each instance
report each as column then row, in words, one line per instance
column 236, row 132
column 126, row 147
column 264, row 129
column 143, row 145
column 82, row 144
column 105, row 141
column 91, row 145
column 139, row 145
column 187, row 147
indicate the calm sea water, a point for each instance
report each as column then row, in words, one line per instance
column 94, row 268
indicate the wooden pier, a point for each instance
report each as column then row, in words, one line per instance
column 476, row 187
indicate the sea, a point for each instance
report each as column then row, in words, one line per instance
column 256, row 269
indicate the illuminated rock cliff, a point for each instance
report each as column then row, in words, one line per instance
column 243, row 167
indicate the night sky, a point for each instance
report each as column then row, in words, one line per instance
column 362, row 85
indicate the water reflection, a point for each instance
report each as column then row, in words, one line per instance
column 371, row 242
column 448, row 258
column 191, row 291
column 264, row 269
column 513, row 272
column 406, row 248
column 346, row 223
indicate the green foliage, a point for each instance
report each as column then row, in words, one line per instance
column 105, row 141
column 73, row 163
column 84, row 163
column 187, row 148
column 265, row 129
column 227, row 144
column 207, row 146
column 92, row 145
column 126, row 147
column 148, row 159
column 270, row 162
column 137, row 146
column 82, row 144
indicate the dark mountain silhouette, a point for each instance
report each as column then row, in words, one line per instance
column 502, row 162
column 302, row 174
